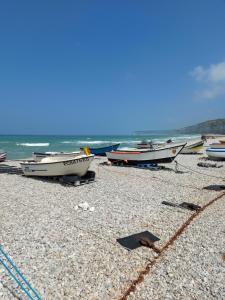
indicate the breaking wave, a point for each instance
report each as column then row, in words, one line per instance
column 33, row 144
column 109, row 142
column 93, row 142
column 69, row 142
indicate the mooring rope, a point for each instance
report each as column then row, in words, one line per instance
column 149, row 267
column 154, row 177
column 20, row 275
column 198, row 172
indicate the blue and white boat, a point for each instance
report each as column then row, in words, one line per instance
column 102, row 150
column 216, row 151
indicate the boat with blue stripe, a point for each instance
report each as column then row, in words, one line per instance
column 216, row 151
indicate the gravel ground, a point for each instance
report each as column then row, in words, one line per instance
column 194, row 267
column 68, row 253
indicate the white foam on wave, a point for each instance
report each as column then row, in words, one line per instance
column 33, row 144
column 84, row 142
column 110, row 142
column 93, row 142
column 126, row 141
column 177, row 138
column 69, row 142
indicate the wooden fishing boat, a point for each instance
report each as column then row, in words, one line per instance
column 216, row 146
column 58, row 166
column 193, row 146
column 102, row 150
column 38, row 156
column 216, row 151
column 2, row 155
column 164, row 154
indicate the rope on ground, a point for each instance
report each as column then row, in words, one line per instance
column 149, row 267
column 154, row 177
column 198, row 172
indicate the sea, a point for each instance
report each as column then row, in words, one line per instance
column 22, row 146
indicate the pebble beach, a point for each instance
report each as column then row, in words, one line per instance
column 68, row 250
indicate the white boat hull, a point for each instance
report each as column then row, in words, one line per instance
column 53, row 166
column 216, row 153
column 160, row 155
column 193, row 147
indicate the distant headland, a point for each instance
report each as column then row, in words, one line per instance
column 212, row 126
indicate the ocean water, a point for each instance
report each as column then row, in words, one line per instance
column 22, row 146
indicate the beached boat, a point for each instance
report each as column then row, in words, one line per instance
column 216, row 151
column 193, row 146
column 38, row 156
column 217, row 145
column 102, row 150
column 58, row 166
column 2, row 155
column 164, row 154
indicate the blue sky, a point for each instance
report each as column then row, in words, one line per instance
column 110, row 67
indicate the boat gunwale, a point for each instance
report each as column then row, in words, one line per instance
column 197, row 144
column 54, row 162
column 54, row 153
column 216, row 150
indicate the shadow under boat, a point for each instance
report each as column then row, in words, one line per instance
column 67, row 180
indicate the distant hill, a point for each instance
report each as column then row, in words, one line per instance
column 212, row 126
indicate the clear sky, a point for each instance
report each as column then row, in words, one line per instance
column 110, row 67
